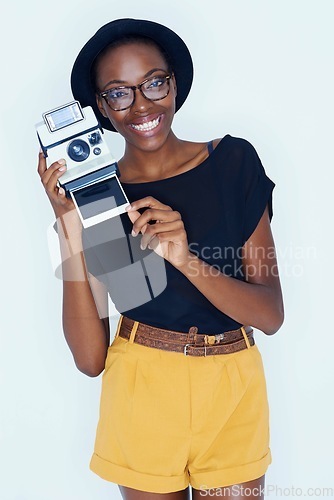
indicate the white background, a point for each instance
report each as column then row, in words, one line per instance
column 263, row 71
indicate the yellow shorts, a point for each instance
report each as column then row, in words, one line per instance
column 168, row 420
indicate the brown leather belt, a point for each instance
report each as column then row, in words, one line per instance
column 191, row 343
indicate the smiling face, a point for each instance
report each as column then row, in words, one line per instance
column 146, row 125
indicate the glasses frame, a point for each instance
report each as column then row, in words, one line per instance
column 105, row 93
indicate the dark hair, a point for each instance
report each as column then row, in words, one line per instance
column 127, row 40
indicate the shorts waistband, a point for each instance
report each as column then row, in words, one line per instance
column 191, row 343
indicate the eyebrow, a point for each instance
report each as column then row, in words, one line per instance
column 149, row 73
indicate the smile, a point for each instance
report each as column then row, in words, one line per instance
column 147, row 126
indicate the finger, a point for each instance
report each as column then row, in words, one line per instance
column 61, row 193
column 52, row 186
column 177, row 236
column 153, row 230
column 50, row 178
column 153, row 244
column 41, row 163
column 148, row 202
column 156, row 215
column 57, row 165
column 133, row 216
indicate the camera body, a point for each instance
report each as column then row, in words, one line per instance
column 91, row 180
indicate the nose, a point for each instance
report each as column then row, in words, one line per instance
column 141, row 104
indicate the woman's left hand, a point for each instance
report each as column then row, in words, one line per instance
column 167, row 237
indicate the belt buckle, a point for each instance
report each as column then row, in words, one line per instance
column 219, row 337
column 187, row 345
column 185, row 349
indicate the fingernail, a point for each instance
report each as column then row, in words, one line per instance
column 142, row 246
column 129, row 207
column 61, row 191
column 40, row 150
column 61, row 169
column 62, row 161
column 133, row 232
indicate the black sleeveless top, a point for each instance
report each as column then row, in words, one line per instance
column 221, row 201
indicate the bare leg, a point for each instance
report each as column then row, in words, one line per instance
column 131, row 494
column 252, row 490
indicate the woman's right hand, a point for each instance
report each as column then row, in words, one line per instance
column 49, row 177
column 63, row 207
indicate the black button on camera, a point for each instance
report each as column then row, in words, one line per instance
column 97, row 151
column 94, row 138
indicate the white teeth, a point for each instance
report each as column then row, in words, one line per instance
column 147, row 125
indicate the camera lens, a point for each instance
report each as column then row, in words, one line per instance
column 78, row 150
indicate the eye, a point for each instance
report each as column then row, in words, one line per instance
column 118, row 93
column 156, row 82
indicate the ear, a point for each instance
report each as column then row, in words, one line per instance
column 100, row 105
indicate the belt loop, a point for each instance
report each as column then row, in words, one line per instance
column 119, row 325
column 243, row 331
column 133, row 331
column 192, row 334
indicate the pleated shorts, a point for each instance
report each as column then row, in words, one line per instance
column 167, row 420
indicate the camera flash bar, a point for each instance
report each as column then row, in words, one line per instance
column 59, row 118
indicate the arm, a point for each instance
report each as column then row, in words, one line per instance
column 84, row 298
column 257, row 302
column 85, row 314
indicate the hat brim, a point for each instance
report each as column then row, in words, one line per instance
column 174, row 46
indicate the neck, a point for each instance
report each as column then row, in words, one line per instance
column 144, row 166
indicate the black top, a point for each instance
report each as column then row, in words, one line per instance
column 221, row 201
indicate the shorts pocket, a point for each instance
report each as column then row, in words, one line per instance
column 247, row 363
column 118, row 347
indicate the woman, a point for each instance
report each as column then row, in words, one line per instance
column 183, row 390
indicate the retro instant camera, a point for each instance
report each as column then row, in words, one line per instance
column 91, row 180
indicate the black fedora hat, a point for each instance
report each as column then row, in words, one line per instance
column 170, row 42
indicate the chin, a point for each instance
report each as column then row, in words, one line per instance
column 151, row 141
column 149, row 144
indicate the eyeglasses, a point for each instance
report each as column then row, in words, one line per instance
column 153, row 89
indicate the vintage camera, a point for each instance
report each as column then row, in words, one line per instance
column 91, row 180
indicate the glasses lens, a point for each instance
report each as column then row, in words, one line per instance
column 156, row 88
column 120, row 98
